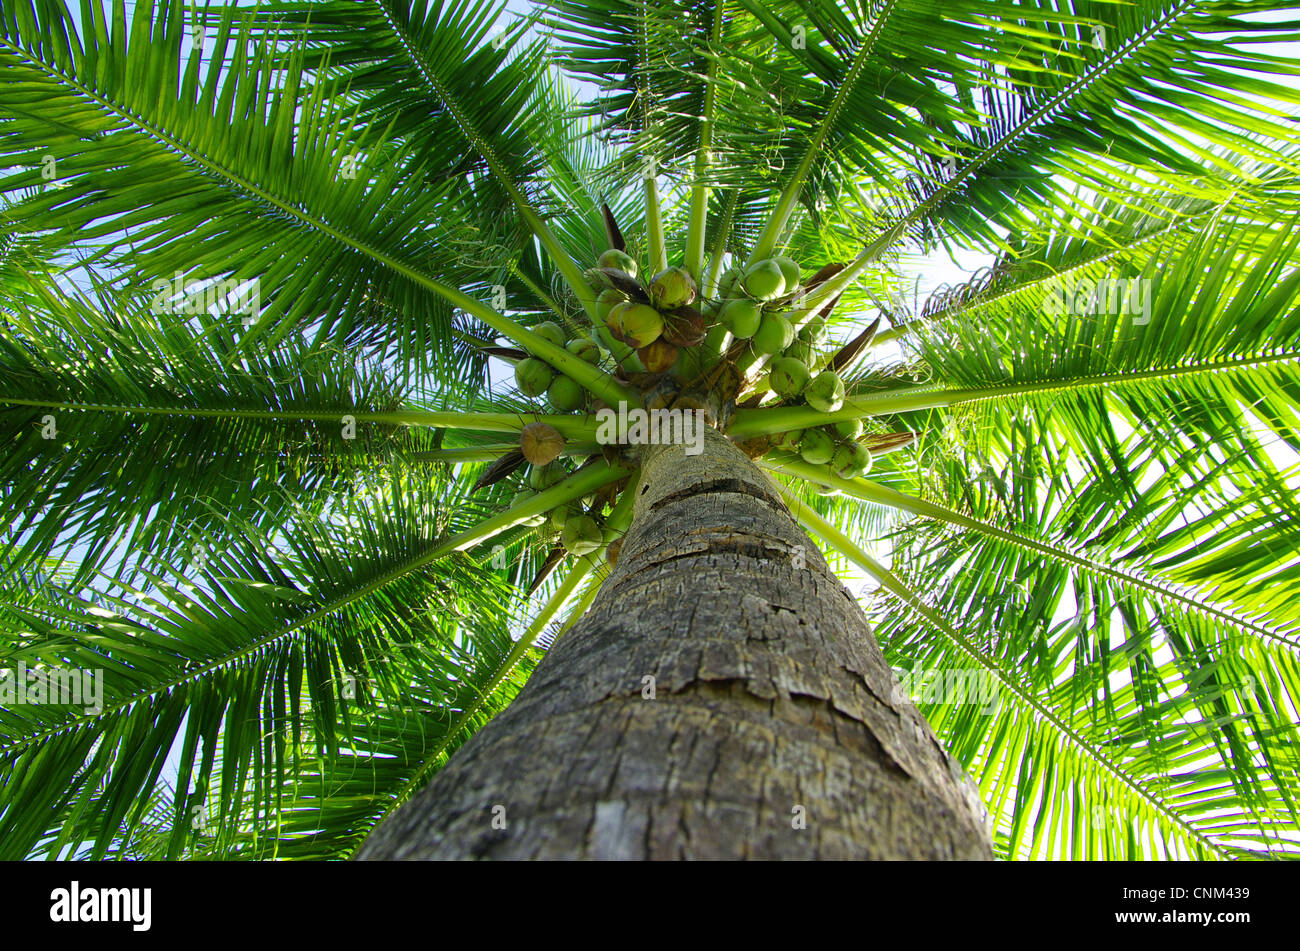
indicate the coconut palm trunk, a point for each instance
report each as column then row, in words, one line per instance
column 723, row 699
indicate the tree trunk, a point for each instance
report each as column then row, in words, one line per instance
column 724, row 698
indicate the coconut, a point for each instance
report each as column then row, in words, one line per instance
column 619, row 260
column 559, row 516
column 658, row 356
column 684, row 328
column 581, row 535
column 540, row 443
column 816, row 447
column 728, row 281
column 851, row 460
column 788, row 440
column 802, row 351
column 848, row 428
column 584, row 348
column 741, row 317
column 764, row 280
column 774, row 334
column 789, row 270
column 612, row 552
column 543, row 477
column 825, row 392
column 607, row 299
column 566, row 394
column 638, row 324
column 789, row 377
column 551, row 331
column 814, row 332
column 532, row 376
column 672, row 288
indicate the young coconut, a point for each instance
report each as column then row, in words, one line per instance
column 741, row 317
column 814, row 331
column 607, row 299
column 728, row 281
column 774, row 334
column 851, row 460
column 532, row 376
column 584, row 348
column 543, row 477
column 825, row 392
column 551, row 331
column 764, row 280
column 658, row 356
column 788, row 440
column 638, row 324
column 566, row 394
column 559, row 516
column 848, row 428
column 619, row 260
column 789, row 377
column 581, row 535
column 789, row 271
column 672, row 288
column 802, row 351
column 816, row 447
column 540, row 443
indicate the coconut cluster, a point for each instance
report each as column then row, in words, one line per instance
column 579, row 524
column 535, row 377
column 657, row 319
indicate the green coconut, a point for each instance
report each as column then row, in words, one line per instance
column 638, row 324
column 802, row 351
column 607, row 299
column 789, row 270
column 728, row 281
column 816, row 447
column 788, row 440
column 551, row 331
column 581, row 535
column 542, row 478
column 848, row 428
column 764, row 280
column 671, row 288
column 566, row 394
column 825, row 392
column 619, row 260
column 532, row 376
column 774, row 334
column 741, row 317
column 851, row 460
column 584, row 348
column 814, row 331
column 789, row 377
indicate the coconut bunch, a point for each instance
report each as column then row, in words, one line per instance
column 657, row 319
column 535, row 377
column 579, row 525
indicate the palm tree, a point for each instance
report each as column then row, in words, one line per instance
column 332, row 587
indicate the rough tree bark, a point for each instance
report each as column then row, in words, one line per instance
column 773, row 732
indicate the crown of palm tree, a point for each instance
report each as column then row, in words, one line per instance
column 260, row 262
